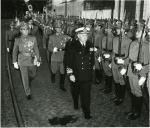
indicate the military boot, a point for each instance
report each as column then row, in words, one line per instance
column 52, row 77
column 62, row 81
column 116, row 92
column 121, row 95
column 138, row 107
column 97, row 81
column 108, row 86
column 132, row 109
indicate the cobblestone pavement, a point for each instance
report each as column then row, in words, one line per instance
column 7, row 113
column 49, row 101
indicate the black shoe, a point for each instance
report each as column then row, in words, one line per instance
column 53, row 78
column 133, row 116
column 87, row 117
column 76, row 107
column 97, row 81
column 128, row 113
column 28, row 97
column 118, row 101
column 114, row 98
column 63, row 89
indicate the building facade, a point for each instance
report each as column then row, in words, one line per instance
column 118, row 9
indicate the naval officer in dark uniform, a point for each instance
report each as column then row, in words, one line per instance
column 79, row 66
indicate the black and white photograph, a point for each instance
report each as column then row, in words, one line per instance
column 75, row 63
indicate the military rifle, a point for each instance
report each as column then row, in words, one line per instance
column 107, row 52
column 119, row 55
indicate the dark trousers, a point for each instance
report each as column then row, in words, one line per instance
column 27, row 74
column 84, row 90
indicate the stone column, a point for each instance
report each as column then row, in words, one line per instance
column 122, row 11
column 137, row 13
column 146, row 9
column 116, row 9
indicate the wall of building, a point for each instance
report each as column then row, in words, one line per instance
column 125, row 9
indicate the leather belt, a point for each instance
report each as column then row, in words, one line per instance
column 104, row 49
column 26, row 54
column 117, row 55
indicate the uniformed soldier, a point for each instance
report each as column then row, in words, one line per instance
column 134, row 69
column 98, row 36
column 34, row 31
column 80, row 62
column 121, row 45
column 105, row 58
column 26, row 57
column 144, row 74
column 56, row 45
column 11, row 34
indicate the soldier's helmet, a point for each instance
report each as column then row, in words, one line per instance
column 89, row 23
column 140, row 25
column 24, row 25
column 118, row 24
column 12, row 24
column 57, row 24
column 99, row 23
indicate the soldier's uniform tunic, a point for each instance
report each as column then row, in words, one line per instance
column 108, row 48
column 25, row 49
column 118, row 78
column 133, row 78
column 145, row 58
column 34, row 31
column 81, row 60
column 58, row 41
column 98, row 36
column 10, row 39
column 125, row 43
column 107, row 42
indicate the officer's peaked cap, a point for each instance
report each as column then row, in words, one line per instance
column 82, row 30
column 24, row 25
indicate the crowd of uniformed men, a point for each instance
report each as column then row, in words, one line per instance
column 116, row 51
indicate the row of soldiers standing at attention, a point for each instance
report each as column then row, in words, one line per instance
column 118, row 52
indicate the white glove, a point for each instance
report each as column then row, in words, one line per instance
column 72, row 78
column 107, row 56
column 99, row 59
column 38, row 64
column 123, row 71
column 138, row 66
column 94, row 67
column 69, row 70
column 141, row 80
column 7, row 49
column 120, row 61
column 16, row 65
column 109, row 65
column 95, row 49
column 55, row 49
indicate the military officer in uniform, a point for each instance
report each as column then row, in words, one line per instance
column 121, row 45
column 26, row 57
column 105, row 58
column 56, row 45
column 133, row 73
column 98, row 36
column 11, row 34
column 34, row 31
column 80, row 62
column 144, row 75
